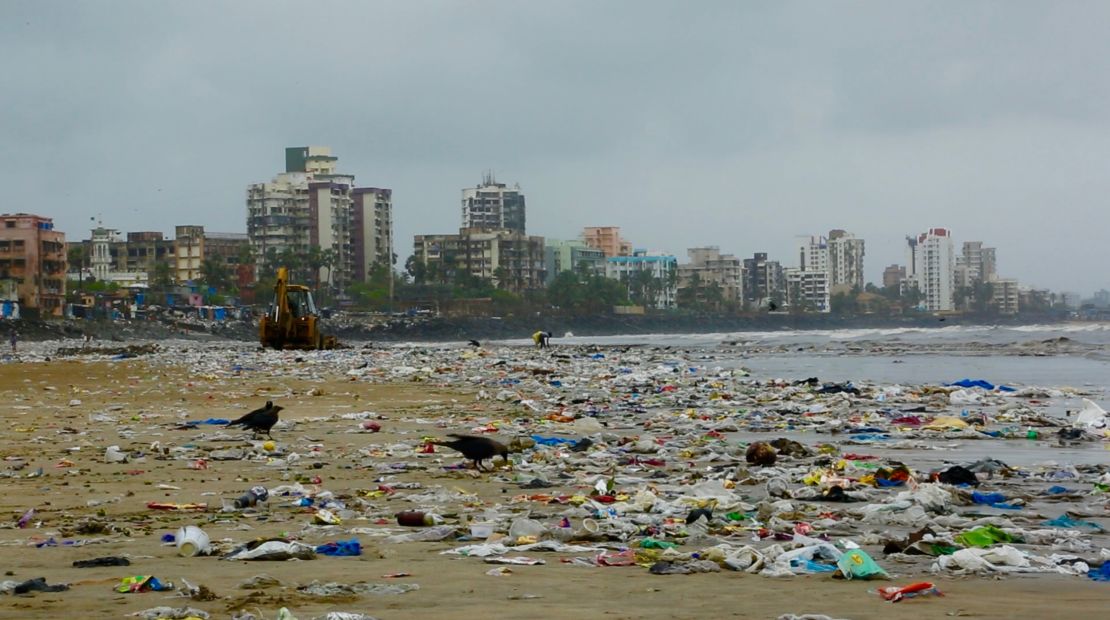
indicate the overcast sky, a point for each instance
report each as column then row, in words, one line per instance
column 736, row 124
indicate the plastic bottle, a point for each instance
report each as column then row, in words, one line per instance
column 252, row 497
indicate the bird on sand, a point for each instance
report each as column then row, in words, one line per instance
column 476, row 449
column 259, row 420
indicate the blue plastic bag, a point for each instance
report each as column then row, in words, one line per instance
column 340, row 548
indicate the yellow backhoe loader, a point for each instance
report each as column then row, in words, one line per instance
column 293, row 322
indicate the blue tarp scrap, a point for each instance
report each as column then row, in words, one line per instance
column 1066, row 522
column 994, row 500
column 212, row 421
column 869, row 437
column 340, row 548
column 553, row 441
column 980, row 383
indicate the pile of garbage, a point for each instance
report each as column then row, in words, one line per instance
column 664, row 461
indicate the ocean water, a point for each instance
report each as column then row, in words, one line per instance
column 1088, row 333
column 911, row 355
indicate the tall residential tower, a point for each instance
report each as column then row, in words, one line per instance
column 493, row 206
column 310, row 205
column 931, row 267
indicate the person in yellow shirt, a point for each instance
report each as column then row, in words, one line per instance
column 541, row 338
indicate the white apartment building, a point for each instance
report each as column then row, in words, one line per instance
column 1005, row 295
column 493, row 206
column 931, row 267
column 310, row 204
column 845, row 261
column 807, row 290
column 807, row 285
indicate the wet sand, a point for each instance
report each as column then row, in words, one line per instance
column 134, row 404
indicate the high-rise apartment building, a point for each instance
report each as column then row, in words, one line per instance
column 33, row 261
column 975, row 264
column 312, row 205
column 807, row 285
column 708, row 266
column 813, row 253
column 371, row 230
column 763, row 280
column 931, row 267
column 493, row 206
column 607, row 239
column 845, row 262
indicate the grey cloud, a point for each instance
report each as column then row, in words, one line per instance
column 733, row 124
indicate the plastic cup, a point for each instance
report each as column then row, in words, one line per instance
column 481, row 530
column 590, row 526
column 191, row 541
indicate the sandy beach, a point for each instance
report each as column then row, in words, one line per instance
column 59, row 416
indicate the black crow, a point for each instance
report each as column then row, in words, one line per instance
column 259, row 420
column 476, row 449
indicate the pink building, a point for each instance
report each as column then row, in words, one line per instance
column 33, row 255
column 607, row 239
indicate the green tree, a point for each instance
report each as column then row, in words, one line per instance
column 245, row 256
column 843, row 304
column 567, row 290
column 982, row 297
column 714, row 295
column 911, row 297
column 77, row 258
column 644, row 288
column 214, row 272
column 417, row 269
column 689, row 296
column 161, row 276
column 586, row 293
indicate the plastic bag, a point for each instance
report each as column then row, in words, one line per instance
column 856, row 564
column 983, row 536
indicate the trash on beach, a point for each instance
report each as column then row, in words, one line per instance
column 142, row 583
column 38, row 584
column 271, row 550
column 895, row 594
column 333, row 588
column 170, row 613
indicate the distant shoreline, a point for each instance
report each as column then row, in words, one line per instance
column 455, row 329
column 443, row 329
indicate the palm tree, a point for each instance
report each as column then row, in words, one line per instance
column 689, row 293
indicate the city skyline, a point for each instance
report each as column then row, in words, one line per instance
column 749, row 127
